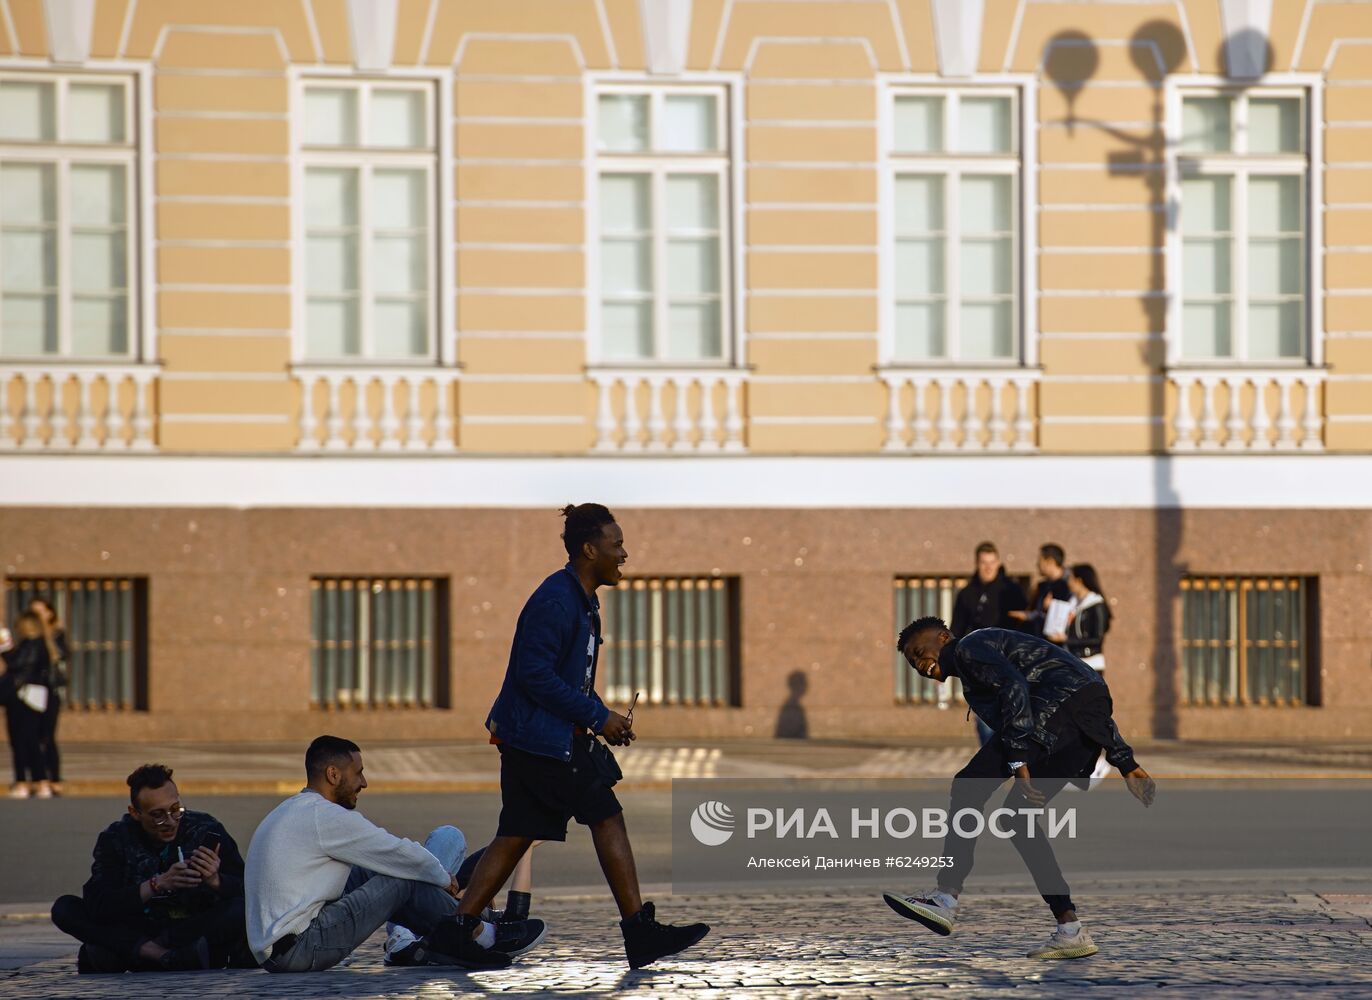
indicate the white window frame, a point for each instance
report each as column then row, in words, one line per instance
column 1020, row 164
column 727, row 163
column 436, row 159
column 134, row 153
column 1239, row 165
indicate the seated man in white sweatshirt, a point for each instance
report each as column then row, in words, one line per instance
column 321, row 878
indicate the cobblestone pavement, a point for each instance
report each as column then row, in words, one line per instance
column 818, row 945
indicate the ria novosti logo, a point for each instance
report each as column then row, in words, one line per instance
column 712, row 823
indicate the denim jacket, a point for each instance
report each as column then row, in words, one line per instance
column 556, row 642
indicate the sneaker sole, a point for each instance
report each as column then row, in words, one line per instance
column 689, row 944
column 438, row 958
column 922, row 914
column 1085, row 951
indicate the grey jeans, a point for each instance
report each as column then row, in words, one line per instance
column 368, row 901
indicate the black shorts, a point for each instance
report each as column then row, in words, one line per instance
column 539, row 794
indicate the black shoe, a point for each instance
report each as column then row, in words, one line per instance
column 412, row 954
column 451, row 943
column 646, row 940
column 92, row 958
column 515, row 937
column 190, row 958
column 516, row 907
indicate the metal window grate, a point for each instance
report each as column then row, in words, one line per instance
column 675, row 639
column 378, row 642
column 105, row 619
column 1246, row 640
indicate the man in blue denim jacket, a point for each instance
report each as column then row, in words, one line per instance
column 544, row 722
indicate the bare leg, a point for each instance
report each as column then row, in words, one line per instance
column 495, row 866
column 524, row 871
column 617, row 862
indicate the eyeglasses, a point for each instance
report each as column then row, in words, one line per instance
column 161, row 817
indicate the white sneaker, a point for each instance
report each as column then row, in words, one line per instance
column 44, row 791
column 19, row 790
column 926, row 909
column 1061, row 945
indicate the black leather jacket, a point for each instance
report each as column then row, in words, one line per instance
column 1016, row 683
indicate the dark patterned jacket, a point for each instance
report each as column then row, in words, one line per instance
column 125, row 858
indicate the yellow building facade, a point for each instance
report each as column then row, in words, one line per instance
column 338, row 277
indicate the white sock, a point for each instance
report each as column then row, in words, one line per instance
column 487, row 936
column 946, row 900
column 1071, row 928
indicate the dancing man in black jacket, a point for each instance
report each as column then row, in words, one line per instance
column 1051, row 716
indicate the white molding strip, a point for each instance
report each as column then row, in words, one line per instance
column 743, row 482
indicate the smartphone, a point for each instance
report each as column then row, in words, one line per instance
column 211, row 842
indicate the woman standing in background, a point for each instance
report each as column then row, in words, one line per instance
column 58, row 675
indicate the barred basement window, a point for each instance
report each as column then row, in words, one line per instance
column 916, row 597
column 674, row 639
column 378, row 642
column 1249, row 640
column 106, row 622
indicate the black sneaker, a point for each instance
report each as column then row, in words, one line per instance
column 451, row 943
column 646, row 940
column 94, row 959
column 410, row 955
column 188, row 958
column 516, row 907
column 515, row 937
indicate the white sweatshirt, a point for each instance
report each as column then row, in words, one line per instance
column 301, row 856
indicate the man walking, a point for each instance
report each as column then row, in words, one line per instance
column 321, row 879
column 544, row 723
column 1051, row 717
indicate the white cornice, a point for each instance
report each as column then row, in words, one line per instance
column 904, row 482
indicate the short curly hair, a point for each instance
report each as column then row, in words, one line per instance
column 147, row 776
column 916, row 627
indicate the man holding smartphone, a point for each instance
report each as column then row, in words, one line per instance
column 545, row 722
column 165, row 892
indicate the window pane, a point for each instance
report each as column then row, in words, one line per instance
column 1205, row 124
column 1205, row 330
column 1206, row 267
column 919, row 268
column 624, row 203
column 399, row 329
column 331, row 328
column 27, row 194
column 985, row 332
column 623, row 124
column 919, row 330
column 28, row 324
column 331, row 263
column 689, row 124
column 627, row 330
column 693, row 202
column 97, row 196
column 398, row 264
column 330, row 116
column 986, row 267
column 396, row 118
column 95, row 113
column 26, row 111
column 398, row 200
column 693, row 266
column 985, row 204
column 1274, row 267
column 919, row 205
column 1274, row 205
column 29, row 260
column 330, row 198
column 1205, row 205
column 1274, row 330
column 97, row 261
column 984, row 125
column 99, row 326
column 919, row 125
column 626, row 265
column 693, row 331
column 1274, row 125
